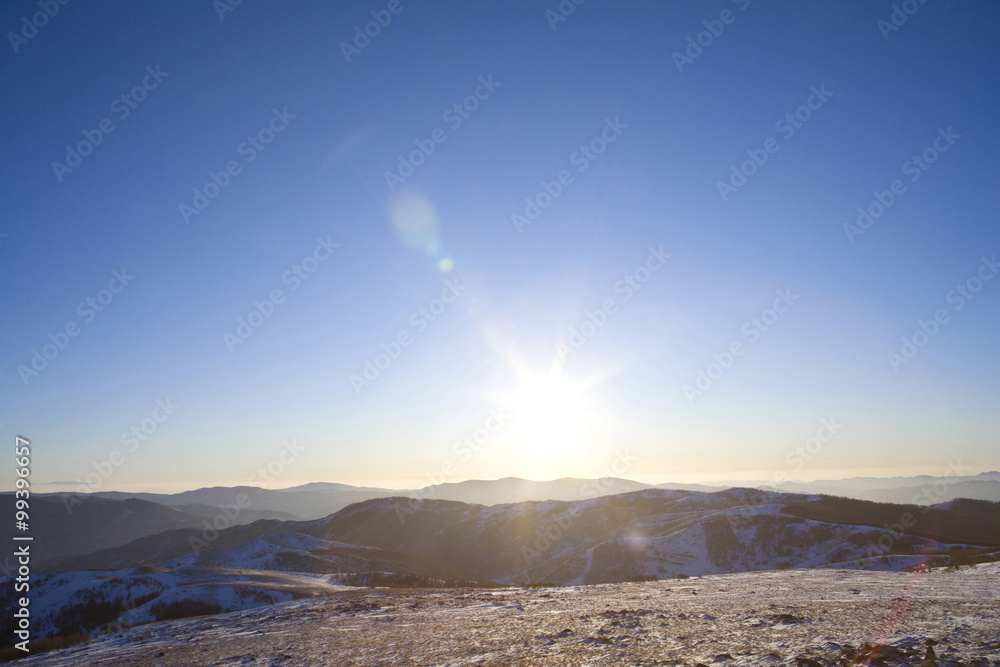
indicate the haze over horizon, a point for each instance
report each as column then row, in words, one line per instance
column 486, row 243
column 76, row 487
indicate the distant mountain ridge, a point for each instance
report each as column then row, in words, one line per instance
column 318, row 499
column 67, row 530
column 920, row 489
column 90, row 523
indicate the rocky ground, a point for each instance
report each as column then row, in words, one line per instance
column 831, row 617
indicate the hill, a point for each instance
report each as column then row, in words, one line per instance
column 654, row 533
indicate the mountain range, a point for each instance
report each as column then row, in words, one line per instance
column 77, row 524
column 184, row 564
column 652, row 533
column 318, row 499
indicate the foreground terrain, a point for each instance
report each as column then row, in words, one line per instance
column 756, row 618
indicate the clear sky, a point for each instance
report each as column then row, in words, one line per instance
column 469, row 191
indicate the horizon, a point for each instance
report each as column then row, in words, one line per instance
column 652, row 241
column 79, row 489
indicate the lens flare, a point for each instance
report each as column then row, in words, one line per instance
column 417, row 226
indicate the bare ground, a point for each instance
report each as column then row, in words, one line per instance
column 763, row 618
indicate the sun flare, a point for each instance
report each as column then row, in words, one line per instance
column 548, row 417
column 548, row 411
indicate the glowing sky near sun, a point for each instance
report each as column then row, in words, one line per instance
column 487, row 244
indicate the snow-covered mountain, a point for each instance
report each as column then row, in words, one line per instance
column 663, row 533
column 402, row 542
column 653, row 533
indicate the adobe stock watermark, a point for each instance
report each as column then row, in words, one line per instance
column 133, row 438
column 898, row 17
column 796, row 458
column 786, row 126
column 581, row 158
column 562, row 12
column 230, row 512
column 454, row 115
column 249, row 149
column 267, row 474
column 595, row 320
column 713, row 30
column 914, row 168
column 620, row 465
column 223, row 7
column 122, row 107
column 419, row 321
column 30, row 27
column 464, row 450
column 752, row 330
column 803, row 453
column 294, row 277
column 381, row 18
column 958, row 297
column 548, row 534
column 88, row 309
column 927, row 496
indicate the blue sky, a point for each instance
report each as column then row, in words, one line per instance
column 335, row 124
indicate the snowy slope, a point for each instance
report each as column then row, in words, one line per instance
column 748, row 620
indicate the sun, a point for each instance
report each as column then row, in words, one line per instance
column 548, row 415
column 557, row 422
